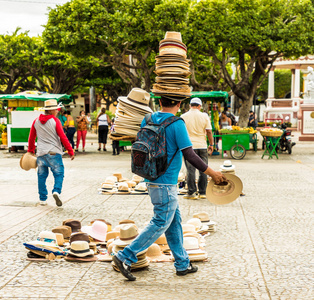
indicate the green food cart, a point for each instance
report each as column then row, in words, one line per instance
column 25, row 107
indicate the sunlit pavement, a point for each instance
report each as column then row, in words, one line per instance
column 263, row 248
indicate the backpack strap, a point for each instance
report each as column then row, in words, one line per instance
column 170, row 120
column 148, row 117
column 166, row 123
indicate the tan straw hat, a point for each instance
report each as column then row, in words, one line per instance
column 226, row 193
column 188, row 228
column 128, row 233
column 65, row 230
column 154, row 254
column 173, row 35
column 28, row 161
column 52, row 104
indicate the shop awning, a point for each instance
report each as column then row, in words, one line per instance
column 37, row 96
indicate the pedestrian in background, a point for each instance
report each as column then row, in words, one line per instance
column 224, row 123
column 50, row 137
column 82, row 123
column 70, row 127
column 199, row 129
column 115, row 143
column 103, row 121
column 89, row 122
column 62, row 117
column 252, row 120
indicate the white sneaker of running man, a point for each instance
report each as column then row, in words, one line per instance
column 56, row 196
column 42, row 202
column 225, row 155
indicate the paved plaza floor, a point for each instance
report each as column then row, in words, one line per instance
column 263, row 247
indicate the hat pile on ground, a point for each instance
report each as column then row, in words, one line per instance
column 172, row 68
column 100, row 241
column 130, row 113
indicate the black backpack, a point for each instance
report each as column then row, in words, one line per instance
column 232, row 118
column 149, row 151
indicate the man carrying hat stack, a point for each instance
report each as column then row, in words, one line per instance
column 50, row 137
column 198, row 126
column 163, row 190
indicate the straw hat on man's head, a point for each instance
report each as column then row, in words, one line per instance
column 52, row 104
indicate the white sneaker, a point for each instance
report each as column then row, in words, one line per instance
column 225, row 155
column 56, row 196
column 42, row 202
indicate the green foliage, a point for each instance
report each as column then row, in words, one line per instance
column 251, row 34
column 282, row 85
column 3, row 128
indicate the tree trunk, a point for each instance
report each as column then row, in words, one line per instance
column 245, row 111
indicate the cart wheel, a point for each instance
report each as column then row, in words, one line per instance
column 237, row 151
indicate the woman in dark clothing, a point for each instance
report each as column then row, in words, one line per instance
column 70, row 127
column 103, row 121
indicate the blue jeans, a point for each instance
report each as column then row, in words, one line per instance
column 166, row 219
column 55, row 163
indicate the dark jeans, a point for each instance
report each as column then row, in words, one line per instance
column 102, row 134
column 115, row 147
column 70, row 135
column 202, row 180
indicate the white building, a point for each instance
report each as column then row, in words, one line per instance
column 278, row 109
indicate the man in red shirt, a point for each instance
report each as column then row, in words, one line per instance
column 49, row 132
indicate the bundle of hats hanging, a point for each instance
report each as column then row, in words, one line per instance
column 130, row 113
column 172, row 68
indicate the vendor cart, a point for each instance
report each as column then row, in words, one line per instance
column 22, row 109
column 236, row 143
column 271, row 140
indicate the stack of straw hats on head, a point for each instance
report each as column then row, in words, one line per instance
column 130, row 113
column 128, row 233
column 172, row 68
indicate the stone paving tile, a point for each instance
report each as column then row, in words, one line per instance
column 159, row 280
column 263, row 248
column 34, row 292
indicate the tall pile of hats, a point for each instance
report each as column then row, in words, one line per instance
column 128, row 233
column 172, row 68
column 130, row 113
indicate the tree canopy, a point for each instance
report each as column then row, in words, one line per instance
column 252, row 35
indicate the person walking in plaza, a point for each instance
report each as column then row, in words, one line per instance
column 115, row 143
column 62, row 117
column 199, row 129
column 70, row 127
column 82, row 123
column 164, row 196
column 224, row 123
column 103, row 121
column 50, row 137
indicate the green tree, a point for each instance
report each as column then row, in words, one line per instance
column 26, row 63
column 107, row 83
column 251, row 34
column 15, row 55
column 282, row 85
column 123, row 39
